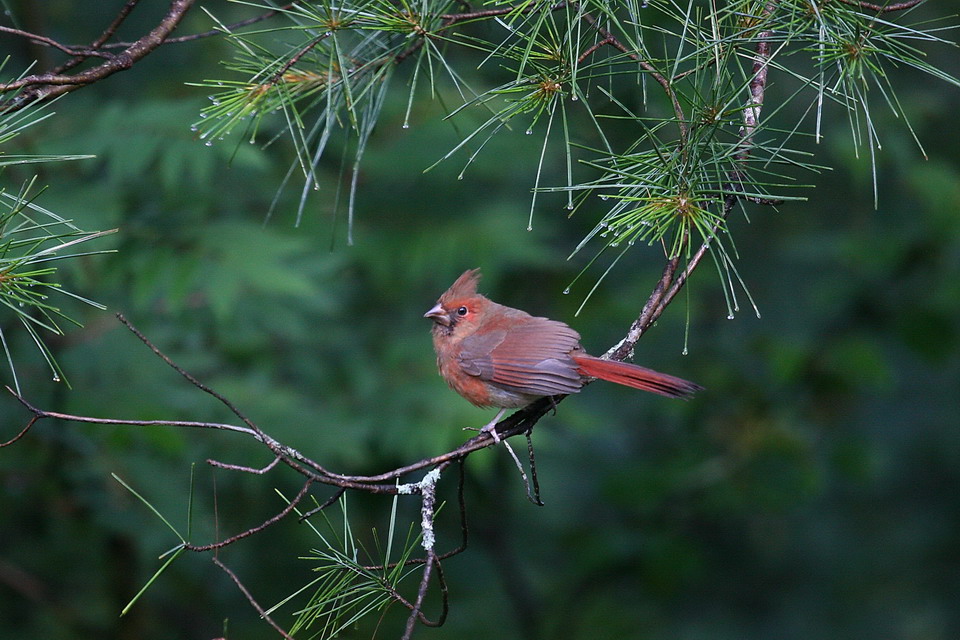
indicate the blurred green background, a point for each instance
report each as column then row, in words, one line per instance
column 813, row 491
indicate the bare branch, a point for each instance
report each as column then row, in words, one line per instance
column 257, row 529
column 192, row 380
column 883, row 8
column 415, row 612
column 230, row 27
column 245, row 469
column 23, row 431
column 532, row 495
column 250, row 599
column 326, row 503
column 47, row 86
column 50, row 42
column 624, row 349
column 93, row 49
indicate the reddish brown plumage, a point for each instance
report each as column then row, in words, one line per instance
column 497, row 356
column 632, row 375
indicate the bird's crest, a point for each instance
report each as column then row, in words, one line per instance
column 464, row 287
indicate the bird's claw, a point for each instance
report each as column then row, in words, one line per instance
column 489, row 428
column 492, row 430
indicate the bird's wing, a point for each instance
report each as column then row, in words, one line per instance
column 531, row 356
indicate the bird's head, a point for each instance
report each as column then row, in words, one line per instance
column 459, row 306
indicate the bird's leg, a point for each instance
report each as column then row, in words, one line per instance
column 553, row 404
column 491, row 427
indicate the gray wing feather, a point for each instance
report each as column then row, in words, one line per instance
column 475, row 353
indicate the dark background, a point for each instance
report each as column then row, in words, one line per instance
column 812, row 491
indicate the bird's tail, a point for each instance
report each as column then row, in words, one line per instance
column 635, row 376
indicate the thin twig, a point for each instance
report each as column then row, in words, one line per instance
column 421, row 595
column 50, row 42
column 326, row 503
column 252, row 530
column 594, row 47
column 493, row 13
column 220, row 31
column 424, row 620
column 96, row 45
column 523, row 474
column 46, row 86
column 662, row 80
column 289, row 455
column 462, row 504
column 113, row 26
column 533, row 469
column 42, row 413
column 245, row 469
column 295, row 58
column 883, row 8
column 192, row 380
column 23, row 431
column 251, row 600
column 230, row 27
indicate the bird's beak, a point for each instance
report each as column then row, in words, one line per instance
column 438, row 314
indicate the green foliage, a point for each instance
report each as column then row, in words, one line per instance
column 347, row 589
column 329, row 68
column 31, row 239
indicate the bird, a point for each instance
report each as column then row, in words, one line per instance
column 498, row 356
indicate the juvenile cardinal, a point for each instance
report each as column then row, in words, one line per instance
column 497, row 356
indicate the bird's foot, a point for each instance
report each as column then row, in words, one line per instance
column 490, row 427
column 487, row 428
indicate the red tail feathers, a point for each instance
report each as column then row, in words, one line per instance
column 635, row 376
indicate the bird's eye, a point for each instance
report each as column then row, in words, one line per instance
column 462, row 311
